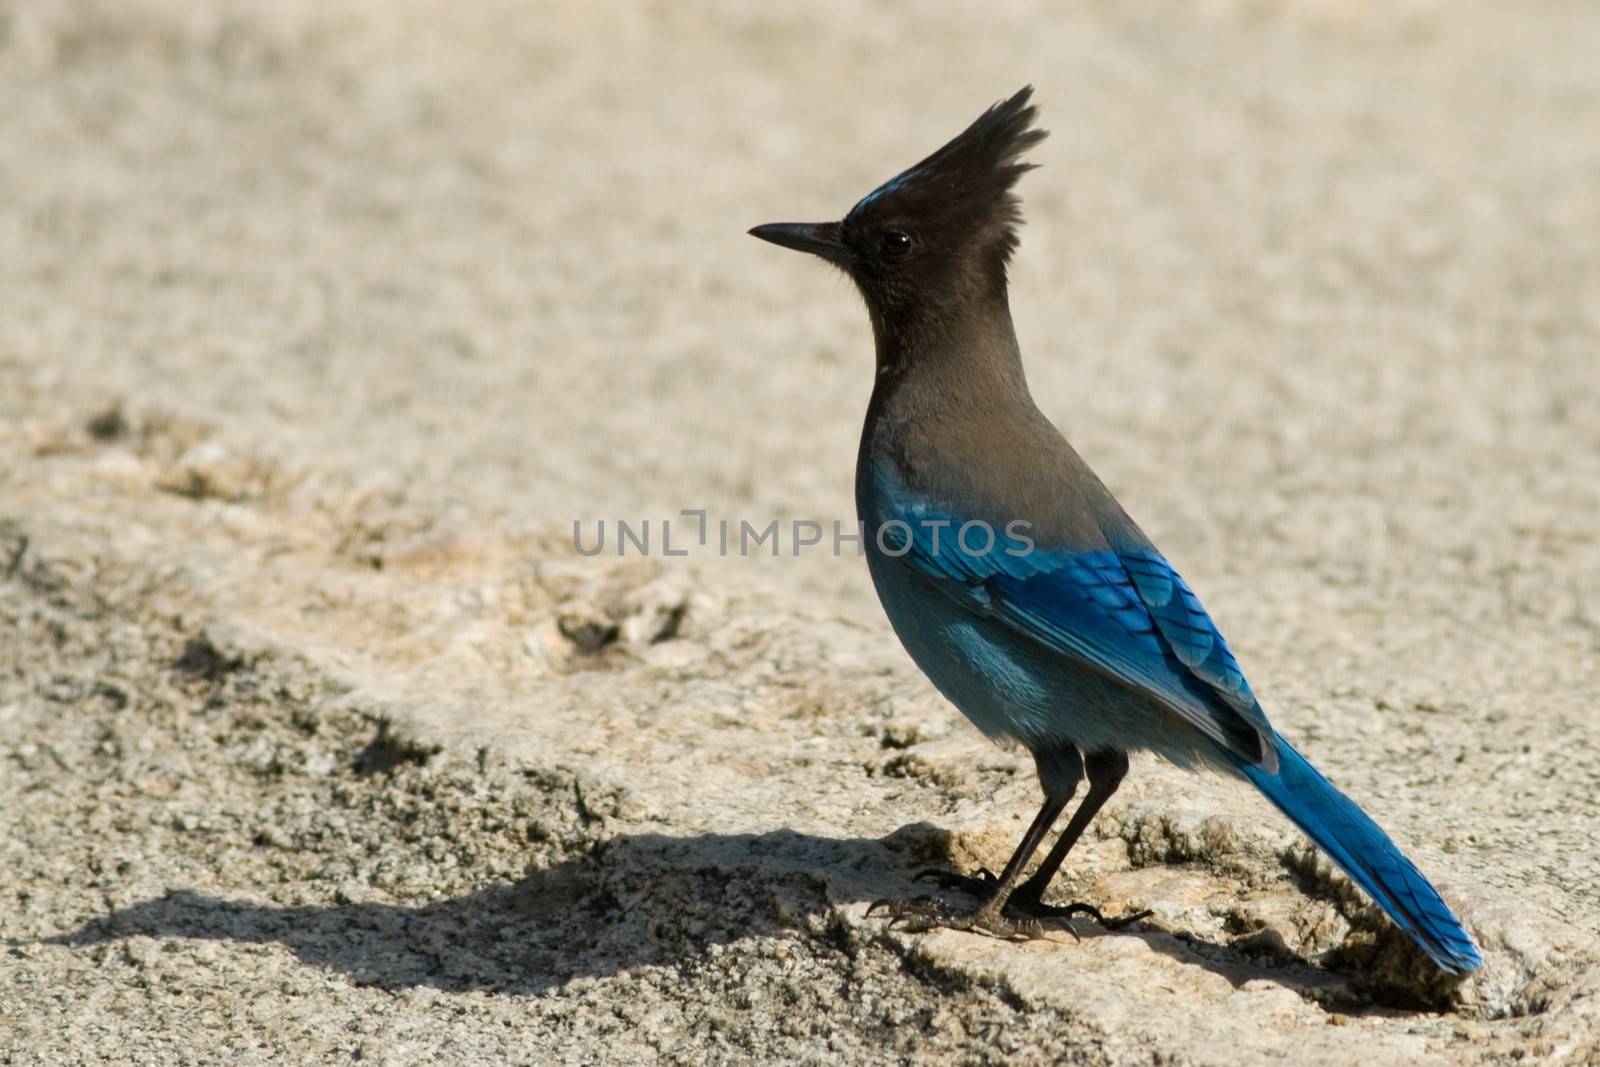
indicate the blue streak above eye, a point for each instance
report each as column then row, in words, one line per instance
column 889, row 186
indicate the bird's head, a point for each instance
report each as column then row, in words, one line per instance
column 939, row 233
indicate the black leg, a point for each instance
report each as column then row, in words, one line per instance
column 1105, row 771
column 991, row 891
column 1060, row 770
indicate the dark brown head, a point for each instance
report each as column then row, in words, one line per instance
column 939, row 234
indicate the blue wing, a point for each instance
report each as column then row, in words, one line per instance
column 1129, row 615
column 1126, row 614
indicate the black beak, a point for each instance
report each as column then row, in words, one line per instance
column 818, row 238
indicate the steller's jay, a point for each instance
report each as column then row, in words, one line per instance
column 1011, row 574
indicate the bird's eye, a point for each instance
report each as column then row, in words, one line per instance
column 896, row 244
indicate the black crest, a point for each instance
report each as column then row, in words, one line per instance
column 964, row 187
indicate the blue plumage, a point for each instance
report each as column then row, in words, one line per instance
column 1009, row 571
column 1364, row 852
column 1126, row 616
column 1131, row 618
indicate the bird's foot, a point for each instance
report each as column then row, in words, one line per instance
column 922, row 914
column 1023, row 915
column 981, row 885
column 1033, row 907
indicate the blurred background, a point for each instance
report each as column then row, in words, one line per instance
column 503, row 249
column 322, row 322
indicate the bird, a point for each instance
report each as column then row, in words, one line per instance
column 1013, row 577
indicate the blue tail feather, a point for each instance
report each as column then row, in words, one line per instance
column 1364, row 852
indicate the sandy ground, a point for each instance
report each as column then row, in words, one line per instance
column 323, row 321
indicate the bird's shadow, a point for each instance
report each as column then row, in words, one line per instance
column 633, row 900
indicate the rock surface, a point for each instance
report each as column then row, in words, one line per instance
column 324, row 322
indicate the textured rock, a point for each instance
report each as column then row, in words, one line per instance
column 323, row 322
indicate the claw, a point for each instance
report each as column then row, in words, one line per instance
column 925, row 913
column 1078, row 907
column 1018, row 920
column 939, row 874
column 1067, row 911
column 899, row 908
column 1126, row 920
column 980, row 884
